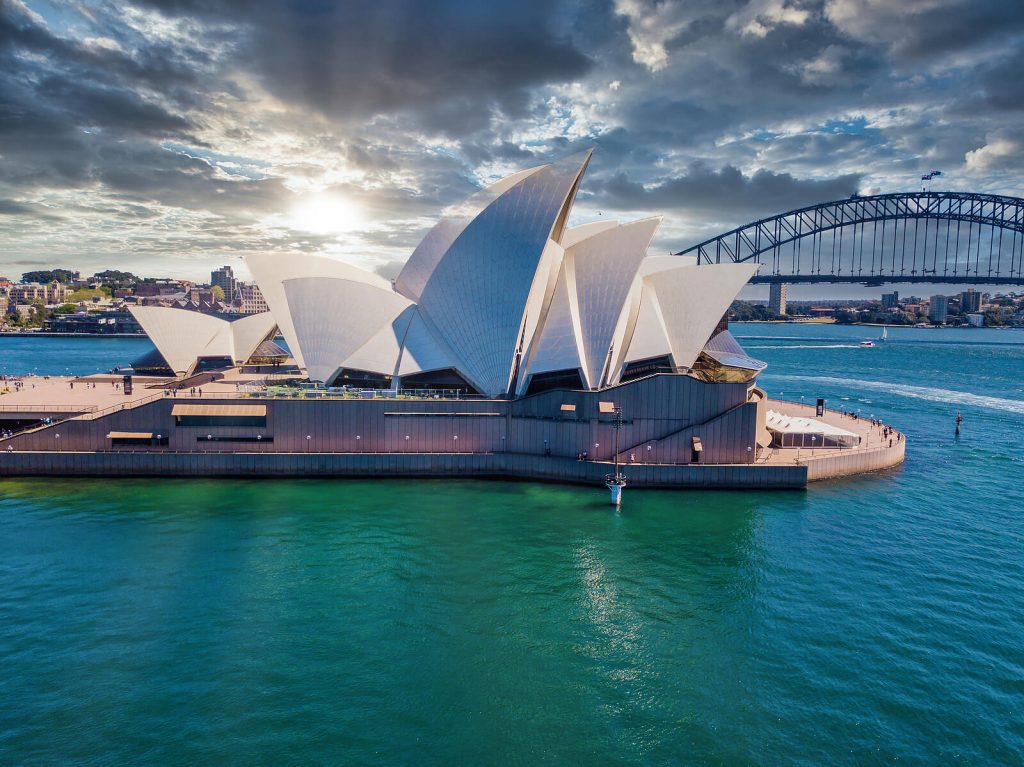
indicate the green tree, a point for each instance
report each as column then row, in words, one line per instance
column 38, row 314
column 217, row 292
column 116, row 279
column 49, row 275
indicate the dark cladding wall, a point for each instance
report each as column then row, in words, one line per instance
column 149, row 464
column 652, row 408
column 655, row 410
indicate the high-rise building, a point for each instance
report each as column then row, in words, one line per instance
column 777, row 297
column 938, row 309
column 890, row 300
column 225, row 279
column 970, row 300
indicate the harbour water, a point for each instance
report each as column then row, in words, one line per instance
column 306, row 622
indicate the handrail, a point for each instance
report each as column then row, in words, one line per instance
column 47, row 409
column 129, row 405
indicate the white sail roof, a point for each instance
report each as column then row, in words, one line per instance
column 558, row 345
column 605, row 264
column 422, row 351
column 424, row 259
column 681, row 306
column 270, row 270
column 476, row 296
column 183, row 337
column 248, row 332
column 335, row 317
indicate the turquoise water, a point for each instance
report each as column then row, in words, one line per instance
column 354, row 622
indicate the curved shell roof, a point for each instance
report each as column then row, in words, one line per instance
column 270, row 270
column 477, row 294
column 184, row 336
column 334, row 318
column 500, row 290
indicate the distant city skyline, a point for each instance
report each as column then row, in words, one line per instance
column 172, row 137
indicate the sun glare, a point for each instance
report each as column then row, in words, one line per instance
column 320, row 213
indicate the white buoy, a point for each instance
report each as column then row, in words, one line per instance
column 615, row 485
column 615, row 482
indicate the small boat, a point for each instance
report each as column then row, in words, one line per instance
column 867, row 343
column 885, row 335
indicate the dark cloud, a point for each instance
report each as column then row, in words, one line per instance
column 191, row 129
column 13, row 208
column 706, row 191
column 454, row 63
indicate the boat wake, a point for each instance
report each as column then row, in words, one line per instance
column 806, row 346
column 929, row 394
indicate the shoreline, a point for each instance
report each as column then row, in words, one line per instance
column 874, row 325
column 44, row 334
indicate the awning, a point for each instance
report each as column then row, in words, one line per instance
column 220, row 410
column 741, row 361
column 606, row 407
column 787, row 424
column 697, row 446
column 130, row 435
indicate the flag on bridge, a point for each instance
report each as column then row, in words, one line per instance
column 926, row 178
column 936, row 173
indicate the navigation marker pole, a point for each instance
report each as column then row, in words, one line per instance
column 617, row 480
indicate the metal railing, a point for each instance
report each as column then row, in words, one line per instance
column 46, row 408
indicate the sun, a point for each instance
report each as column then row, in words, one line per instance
column 325, row 213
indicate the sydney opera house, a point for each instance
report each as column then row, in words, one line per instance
column 510, row 344
column 501, row 299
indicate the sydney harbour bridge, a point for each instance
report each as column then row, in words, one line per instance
column 912, row 237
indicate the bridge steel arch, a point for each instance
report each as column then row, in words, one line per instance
column 928, row 237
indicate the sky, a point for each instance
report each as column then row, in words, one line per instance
column 168, row 137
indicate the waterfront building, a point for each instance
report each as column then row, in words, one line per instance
column 970, row 301
column 890, row 300
column 509, row 344
column 224, row 278
column 34, row 292
column 777, row 294
column 94, row 323
column 938, row 309
column 976, row 319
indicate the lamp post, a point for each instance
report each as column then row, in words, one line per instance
column 750, row 454
column 57, row 437
column 358, row 443
column 455, row 438
column 308, row 438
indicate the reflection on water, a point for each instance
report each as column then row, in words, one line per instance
column 297, row 622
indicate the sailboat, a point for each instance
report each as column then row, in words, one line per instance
column 885, row 335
